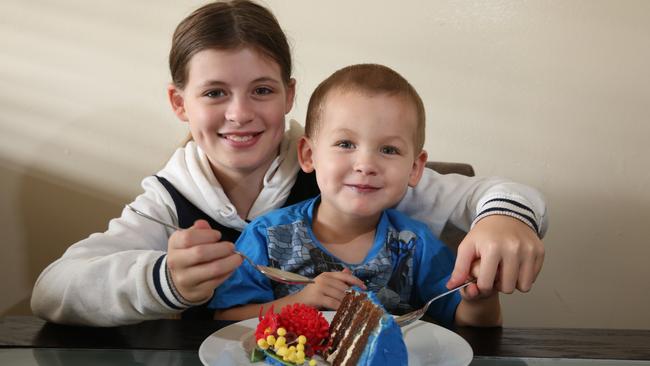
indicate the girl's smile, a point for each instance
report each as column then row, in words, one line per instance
column 241, row 139
column 235, row 102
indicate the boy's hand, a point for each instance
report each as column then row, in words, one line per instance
column 510, row 253
column 328, row 290
column 198, row 262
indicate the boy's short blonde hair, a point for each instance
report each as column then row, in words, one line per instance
column 370, row 79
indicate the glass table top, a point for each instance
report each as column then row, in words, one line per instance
column 59, row 356
column 527, row 361
column 73, row 357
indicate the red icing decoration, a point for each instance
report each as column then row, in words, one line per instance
column 268, row 321
column 305, row 320
column 299, row 319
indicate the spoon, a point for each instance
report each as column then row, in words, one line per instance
column 274, row 274
column 409, row 318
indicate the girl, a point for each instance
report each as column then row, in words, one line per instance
column 231, row 83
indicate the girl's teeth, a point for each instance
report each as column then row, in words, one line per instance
column 239, row 138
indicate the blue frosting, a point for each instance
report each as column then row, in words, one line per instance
column 385, row 346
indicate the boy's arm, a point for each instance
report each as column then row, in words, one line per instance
column 326, row 292
column 481, row 312
column 478, row 310
column 433, row 262
column 253, row 310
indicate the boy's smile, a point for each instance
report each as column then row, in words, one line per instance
column 363, row 154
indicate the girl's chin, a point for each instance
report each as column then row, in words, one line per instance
column 247, row 163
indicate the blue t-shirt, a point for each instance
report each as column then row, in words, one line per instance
column 406, row 266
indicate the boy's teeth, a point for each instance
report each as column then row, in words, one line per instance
column 239, row 138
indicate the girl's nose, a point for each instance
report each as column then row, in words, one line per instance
column 239, row 111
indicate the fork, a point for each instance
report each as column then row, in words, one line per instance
column 274, row 274
column 406, row 319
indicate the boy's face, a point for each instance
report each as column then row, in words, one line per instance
column 363, row 153
column 234, row 102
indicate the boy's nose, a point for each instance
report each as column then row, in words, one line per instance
column 365, row 164
column 239, row 111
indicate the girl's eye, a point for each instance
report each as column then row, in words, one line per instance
column 263, row 91
column 344, row 144
column 215, row 93
column 390, row 150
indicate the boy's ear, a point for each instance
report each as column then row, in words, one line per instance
column 418, row 168
column 291, row 94
column 177, row 102
column 305, row 153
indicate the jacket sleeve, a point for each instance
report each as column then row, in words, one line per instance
column 462, row 201
column 115, row 277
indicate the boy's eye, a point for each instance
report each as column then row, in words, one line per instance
column 215, row 93
column 391, row 150
column 344, row 144
column 263, row 91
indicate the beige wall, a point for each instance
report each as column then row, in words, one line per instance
column 554, row 94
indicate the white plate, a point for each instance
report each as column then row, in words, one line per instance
column 426, row 343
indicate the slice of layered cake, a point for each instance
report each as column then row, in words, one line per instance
column 361, row 333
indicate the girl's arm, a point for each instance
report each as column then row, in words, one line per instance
column 461, row 200
column 505, row 221
column 116, row 277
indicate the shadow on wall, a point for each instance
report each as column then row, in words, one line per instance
column 52, row 214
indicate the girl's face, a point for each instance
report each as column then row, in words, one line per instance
column 235, row 102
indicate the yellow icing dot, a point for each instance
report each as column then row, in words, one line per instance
column 262, row 343
column 302, row 339
column 300, row 354
column 292, row 357
column 281, row 351
column 267, row 330
column 300, row 347
column 280, row 341
column 292, row 349
column 282, row 332
column 270, row 340
column 312, row 362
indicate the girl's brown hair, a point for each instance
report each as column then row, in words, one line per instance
column 228, row 25
column 371, row 79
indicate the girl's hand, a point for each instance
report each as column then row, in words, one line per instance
column 329, row 289
column 472, row 292
column 511, row 256
column 198, row 262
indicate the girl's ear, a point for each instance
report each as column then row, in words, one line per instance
column 175, row 96
column 305, row 153
column 291, row 94
column 418, row 168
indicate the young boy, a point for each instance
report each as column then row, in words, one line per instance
column 364, row 136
